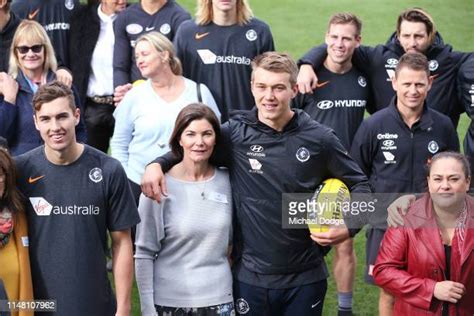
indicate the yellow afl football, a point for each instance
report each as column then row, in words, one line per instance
column 328, row 202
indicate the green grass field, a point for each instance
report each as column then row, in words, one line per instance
column 298, row 25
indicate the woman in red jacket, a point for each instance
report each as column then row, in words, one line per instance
column 429, row 264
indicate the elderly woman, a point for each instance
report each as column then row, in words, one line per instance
column 145, row 117
column 32, row 63
column 14, row 259
column 182, row 243
column 429, row 264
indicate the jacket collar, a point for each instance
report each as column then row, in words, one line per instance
column 23, row 81
column 424, row 222
column 250, row 117
column 431, row 53
column 425, row 122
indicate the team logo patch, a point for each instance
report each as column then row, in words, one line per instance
column 302, row 154
column 362, row 82
column 165, row 29
column 433, row 147
column 256, row 148
column 242, row 306
column 433, row 64
column 41, row 206
column 95, row 175
column 69, row 4
column 134, row 28
column 251, row 35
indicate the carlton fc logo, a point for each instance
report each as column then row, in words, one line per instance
column 302, row 154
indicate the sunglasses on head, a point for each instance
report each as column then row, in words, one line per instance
column 35, row 49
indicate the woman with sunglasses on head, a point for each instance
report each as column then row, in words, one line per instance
column 32, row 63
column 428, row 264
column 14, row 259
column 182, row 243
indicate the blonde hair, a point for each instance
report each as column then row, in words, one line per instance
column 204, row 14
column 276, row 62
column 163, row 44
column 32, row 31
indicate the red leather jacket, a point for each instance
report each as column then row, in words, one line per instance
column 412, row 259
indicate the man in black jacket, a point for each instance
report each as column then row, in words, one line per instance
column 415, row 32
column 272, row 150
column 90, row 50
column 394, row 144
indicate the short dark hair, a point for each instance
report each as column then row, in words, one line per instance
column 51, row 91
column 192, row 112
column 418, row 15
column 346, row 18
column 414, row 61
column 462, row 159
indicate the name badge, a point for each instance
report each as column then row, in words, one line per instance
column 25, row 241
column 218, row 197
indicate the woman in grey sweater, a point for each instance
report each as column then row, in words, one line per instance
column 182, row 243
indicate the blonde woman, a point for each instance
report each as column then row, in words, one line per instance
column 32, row 64
column 145, row 118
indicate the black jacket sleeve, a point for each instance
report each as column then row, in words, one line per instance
column 315, row 56
column 122, row 53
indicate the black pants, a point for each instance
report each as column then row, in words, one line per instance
column 303, row 300
column 100, row 124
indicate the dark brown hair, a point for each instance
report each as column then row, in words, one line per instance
column 418, row 15
column 414, row 61
column 462, row 159
column 51, row 91
column 192, row 112
column 11, row 197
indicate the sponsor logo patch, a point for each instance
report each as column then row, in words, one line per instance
column 41, row 206
column 134, row 28
column 200, row 36
column 387, row 136
column 33, row 180
column 389, row 157
column 208, row 58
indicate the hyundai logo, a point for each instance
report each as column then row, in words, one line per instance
column 325, row 104
column 256, row 148
column 392, row 61
column 388, row 143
